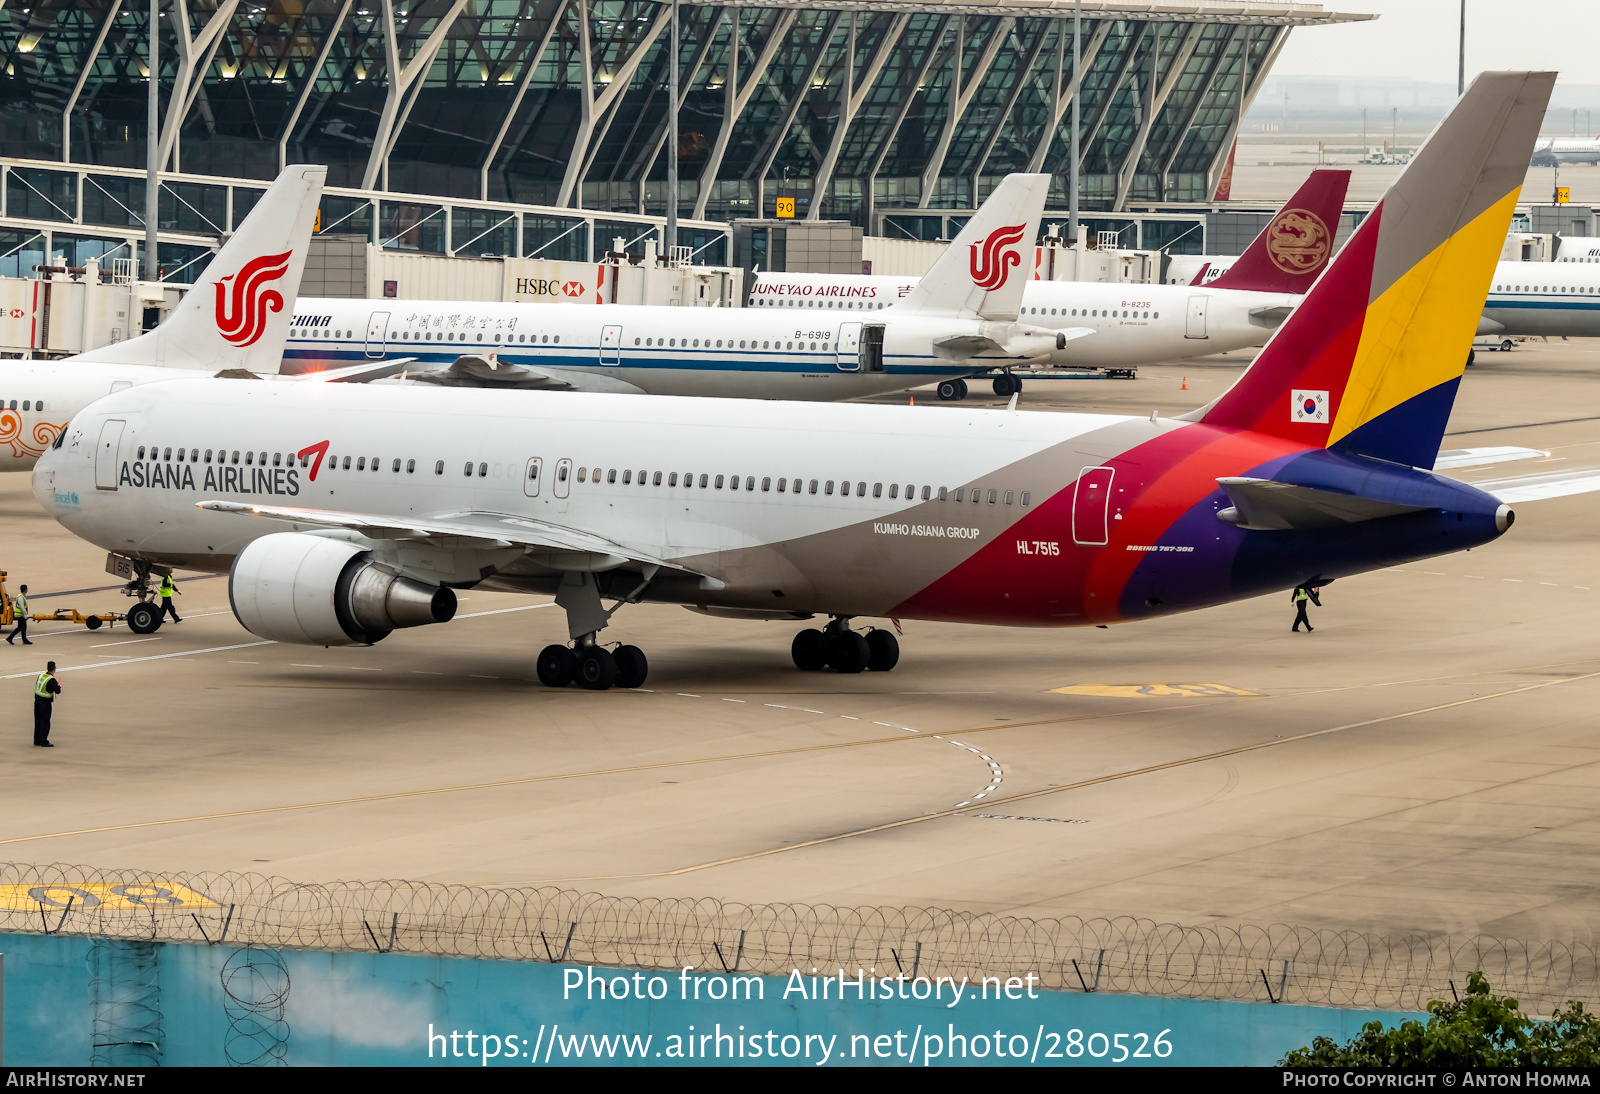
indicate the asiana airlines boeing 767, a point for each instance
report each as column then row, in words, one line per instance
column 343, row 513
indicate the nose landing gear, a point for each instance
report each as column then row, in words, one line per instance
column 844, row 650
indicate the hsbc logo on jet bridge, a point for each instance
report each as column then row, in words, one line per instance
column 548, row 286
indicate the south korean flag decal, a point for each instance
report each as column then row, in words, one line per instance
column 1309, row 406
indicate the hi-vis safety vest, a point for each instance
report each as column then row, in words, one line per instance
column 1300, row 594
column 166, row 588
column 40, row 688
column 19, row 604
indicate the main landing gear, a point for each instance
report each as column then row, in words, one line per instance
column 952, row 391
column 1007, row 384
column 586, row 662
column 841, row 649
column 593, row 667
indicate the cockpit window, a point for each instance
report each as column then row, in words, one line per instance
column 61, row 438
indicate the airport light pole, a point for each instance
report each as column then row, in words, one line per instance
column 672, row 138
column 152, row 134
column 1461, row 67
column 1076, row 85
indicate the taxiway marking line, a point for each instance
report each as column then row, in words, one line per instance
column 136, row 660
column 1099, row 780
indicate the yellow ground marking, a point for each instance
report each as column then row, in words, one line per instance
column 107, row 896
column 1144, row 691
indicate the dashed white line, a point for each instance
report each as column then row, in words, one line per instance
column 125, row 642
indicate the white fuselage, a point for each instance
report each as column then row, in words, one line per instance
column 726, row 352
column 1544, row 298
column 1567, row 150
column 1133, row 324
column 40, row 397
column 647, row 473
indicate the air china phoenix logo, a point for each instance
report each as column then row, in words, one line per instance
column 991, row 260
column 242, row 307
column 1298, row 241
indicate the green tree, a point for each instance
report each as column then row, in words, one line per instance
column 1481, row 1030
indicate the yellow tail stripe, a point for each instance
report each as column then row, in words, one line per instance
column 1418, row 333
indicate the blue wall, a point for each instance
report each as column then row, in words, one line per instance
column 214, row 1005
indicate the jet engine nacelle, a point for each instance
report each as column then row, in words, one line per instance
column 292, row 587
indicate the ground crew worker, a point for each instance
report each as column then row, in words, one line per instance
column 166, row 590
column 19, row 608
column 45, row 690
column 1303, row 595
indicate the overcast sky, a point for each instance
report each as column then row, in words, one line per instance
column 1417, row 39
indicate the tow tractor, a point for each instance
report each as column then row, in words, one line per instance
column 8, row 614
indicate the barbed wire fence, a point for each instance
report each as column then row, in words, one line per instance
column 1273, row 963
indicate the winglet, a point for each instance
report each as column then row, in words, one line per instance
column 237, row 315
column 1296, row 244
column 983, row 273
column 1370, row 361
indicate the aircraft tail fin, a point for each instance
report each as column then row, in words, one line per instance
column 1370, row 361
column 1296, row 244
column 237, row 315
column 983, row 273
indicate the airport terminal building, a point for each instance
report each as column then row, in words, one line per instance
column 522, row 127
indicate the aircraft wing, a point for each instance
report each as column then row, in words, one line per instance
column 487, row 370
column 1270, row 315
column 1019, row 341
column 553, row 545
column 1265, row 505
column 1541, row 487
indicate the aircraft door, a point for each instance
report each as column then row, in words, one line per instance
column 611, row 346
column 378, row 334
column 530, row 477
column 563, row 478
column 1195, row 323
column 848, row 352
column 872, row 347
column 1091, row 507
column 105, row 457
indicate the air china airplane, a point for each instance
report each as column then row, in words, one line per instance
column 343, row 512
column 1133, row 324
column 963, row 319
column 234, row 318
column 1567, row 150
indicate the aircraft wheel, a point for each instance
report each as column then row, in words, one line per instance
column 632, row 668
column 848, row 652
column 883, row 651
column 961, row 386
column 1508, row 345
column 1002, row 385
column 144, row 618
column 810, row 651
column 1472, row 357
column 556, row 666
column 951, row 390
column 597, row 669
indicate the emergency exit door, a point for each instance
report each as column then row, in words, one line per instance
column 105, row 457
column 611, row 346
column 530, row 477
column 848, row 356
column 378, row 334
column 1091, row 507
column 1195, row 322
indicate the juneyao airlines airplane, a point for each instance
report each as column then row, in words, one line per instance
column 235, row 318
column 1133, row 324
column 344, row 512
column 963, row 319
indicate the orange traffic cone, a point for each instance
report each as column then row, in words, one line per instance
column 1185, row 384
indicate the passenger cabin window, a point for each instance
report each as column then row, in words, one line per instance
column 438, row 467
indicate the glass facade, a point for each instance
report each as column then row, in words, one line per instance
column 854, row 109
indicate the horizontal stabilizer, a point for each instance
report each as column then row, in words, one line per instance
column 1543, row 487
column 1262, row 505
column 1452, row 458
column 486, row 370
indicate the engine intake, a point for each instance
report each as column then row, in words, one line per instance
column 292, row 587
